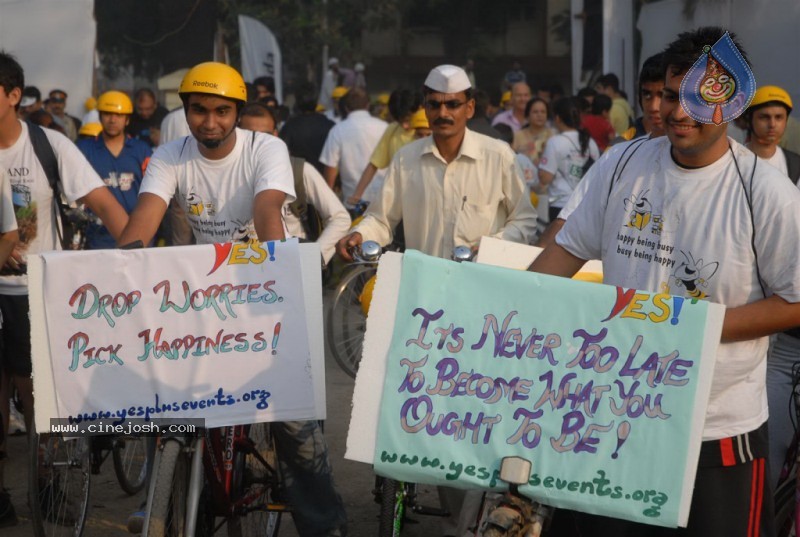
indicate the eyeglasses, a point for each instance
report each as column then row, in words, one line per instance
column 453, row 104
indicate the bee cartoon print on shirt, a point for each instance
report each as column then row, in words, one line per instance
column 241, row 233
column 640, row 210
column 694, row 275
column 195, row 204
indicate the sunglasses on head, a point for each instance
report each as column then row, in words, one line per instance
column 453, row 104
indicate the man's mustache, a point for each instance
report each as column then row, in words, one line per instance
column 443, row 121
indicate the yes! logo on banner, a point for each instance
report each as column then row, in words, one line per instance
column 240, row 253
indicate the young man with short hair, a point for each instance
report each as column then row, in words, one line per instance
column 232, row 184
column 766, row 119
column 651, row 84
column 621, row 111
column 36, row 217
column 731, row 224
column 334, row 217
column 119, row 160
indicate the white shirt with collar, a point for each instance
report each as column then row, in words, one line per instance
column 349, row 146
column 481, row 192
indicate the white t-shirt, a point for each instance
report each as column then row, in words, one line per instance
column 694, row 229
column 778, row 160
column 174, row 126
column 33, row 197
column 529, row 172
column 8, row 220
column 350, row 145
column 613, row 152
column 217, row 195
column 562, row 157
column 335, row 218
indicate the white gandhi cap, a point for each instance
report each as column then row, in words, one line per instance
column 447, row 79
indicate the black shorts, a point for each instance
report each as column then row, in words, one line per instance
column 731, row 499
column 16, row 335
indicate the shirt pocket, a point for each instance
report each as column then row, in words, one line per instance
column 473, row 221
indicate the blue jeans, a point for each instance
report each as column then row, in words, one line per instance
column 317, row 509
column 784, row 352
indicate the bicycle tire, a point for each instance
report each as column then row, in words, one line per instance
column 167, row 517
column 131, row 462
column 59, row 483
column 393, row 508
column 255, row 489
column 346, row 322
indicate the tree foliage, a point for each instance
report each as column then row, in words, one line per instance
column 154, row 37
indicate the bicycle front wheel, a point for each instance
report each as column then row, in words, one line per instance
column 59, row 479
column 347, row 319
column 393, row 508
column 131, row 462
column 167, row 517
column 256, row 487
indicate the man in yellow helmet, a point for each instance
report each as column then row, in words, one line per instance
column 335, row 112
column 118, row 159
column 766, row 119
column 230, row 180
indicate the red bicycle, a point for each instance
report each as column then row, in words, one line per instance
column 227, row 473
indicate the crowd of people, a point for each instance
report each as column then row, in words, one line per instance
column 440, row 167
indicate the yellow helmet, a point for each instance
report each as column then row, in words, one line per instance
column 115, row 102
column 419, row 120
column 214, row 78
column 339, row 92
column 90, row 129
column 90, row 104
column 768, row 94
column 383, row 98
column 505, row 98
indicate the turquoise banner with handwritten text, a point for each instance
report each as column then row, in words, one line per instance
column 603, row 389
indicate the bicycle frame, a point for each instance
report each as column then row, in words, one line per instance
column 212, row 463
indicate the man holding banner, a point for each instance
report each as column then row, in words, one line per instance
column 650, row 222
column 232, row 184
column 450, row 190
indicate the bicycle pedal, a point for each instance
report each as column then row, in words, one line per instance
column 430, row 511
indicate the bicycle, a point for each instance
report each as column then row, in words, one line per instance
column 242, row 482
column 346, row 321
column 512, row 514
column 60, row 470
column 129, row 455
column 398, row 498
column 59, row 484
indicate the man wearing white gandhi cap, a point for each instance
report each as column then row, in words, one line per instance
column 452, row 188
column 449, row 190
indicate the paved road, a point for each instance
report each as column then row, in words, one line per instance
column 110, row 506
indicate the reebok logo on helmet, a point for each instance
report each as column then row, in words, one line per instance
column 205, row 84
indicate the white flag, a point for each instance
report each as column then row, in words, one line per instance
column 261, row 55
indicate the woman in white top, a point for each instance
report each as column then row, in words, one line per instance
column 567, row 155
